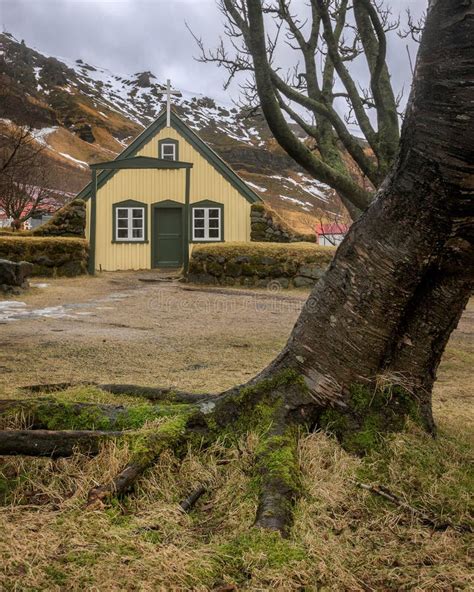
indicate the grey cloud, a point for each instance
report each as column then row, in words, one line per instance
column 128, row 36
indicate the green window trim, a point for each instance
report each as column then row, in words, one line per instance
column 166, row 141
column 206, row 203
column 129, row 203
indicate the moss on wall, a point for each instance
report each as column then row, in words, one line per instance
column 259, row 264
column 70, row 220
column 55, row 256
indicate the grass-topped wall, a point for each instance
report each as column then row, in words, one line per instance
column 50, row 256
column 259, row 264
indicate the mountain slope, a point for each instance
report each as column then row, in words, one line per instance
column 84, row 114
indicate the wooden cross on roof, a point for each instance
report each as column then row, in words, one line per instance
column 169, row 92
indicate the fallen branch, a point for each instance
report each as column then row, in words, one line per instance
column 425, row 518
column 189, row 502
column 52, row 443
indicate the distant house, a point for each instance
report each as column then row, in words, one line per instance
column 331, row 234
column 166, row 192
column 48, row 207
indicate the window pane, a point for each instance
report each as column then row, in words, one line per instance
column 122, row 223
column 168, row 151
column 214, row 213
column 137, row 233
column 138, row 212
column 122, row 213
column 214, row 223
column 137, row 223
column 198, row 213
column 198, row 233
column 122, row 233
column 199, row 223
column 213, row 233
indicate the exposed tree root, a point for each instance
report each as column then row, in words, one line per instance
column 131, row 390
column 277, row 478
column 52, row 443
column 146, row 449
column 190, row 501
column 153, row 393
column 50, row 414
column 275, row 405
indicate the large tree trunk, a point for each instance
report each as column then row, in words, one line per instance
column 363, row 354
column 390, row 288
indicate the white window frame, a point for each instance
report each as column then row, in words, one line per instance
column 206, row 238
column 130, row 227
column 168, row 145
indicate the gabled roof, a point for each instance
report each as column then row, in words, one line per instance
column 332, row 228
column 204, row 150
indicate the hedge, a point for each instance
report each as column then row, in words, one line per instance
column 259, row 264
column 58, row 256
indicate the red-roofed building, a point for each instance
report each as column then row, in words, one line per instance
column 331, row 234
column 48, row 207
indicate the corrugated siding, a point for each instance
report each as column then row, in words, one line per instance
column 150, row 186
column 207, row 183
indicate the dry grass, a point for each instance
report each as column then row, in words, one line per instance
column 344, row 538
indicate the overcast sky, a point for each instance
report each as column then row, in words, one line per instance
column 128, row 36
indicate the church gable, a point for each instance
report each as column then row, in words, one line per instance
column 159, row 141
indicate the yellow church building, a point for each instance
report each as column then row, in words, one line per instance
column 167, row 191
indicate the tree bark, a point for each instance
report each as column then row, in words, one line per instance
column 383, row 271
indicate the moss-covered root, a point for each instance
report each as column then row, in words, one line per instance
column 154, row 393
column 277, row 480
column 146, row 448
column 49, row 414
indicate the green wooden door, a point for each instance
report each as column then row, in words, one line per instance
column 168, row 237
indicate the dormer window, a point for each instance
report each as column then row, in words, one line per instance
column 168, row 149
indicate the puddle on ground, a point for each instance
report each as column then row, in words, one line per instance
column 13, row 310
column 16, row 311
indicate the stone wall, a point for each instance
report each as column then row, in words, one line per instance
column 267, row 226
column 14, row 276
column 48, row 256
column 70, row 220
column 259, row 264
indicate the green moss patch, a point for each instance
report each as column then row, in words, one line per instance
column 259, row 263
column 277, row 461
column 370, row 415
